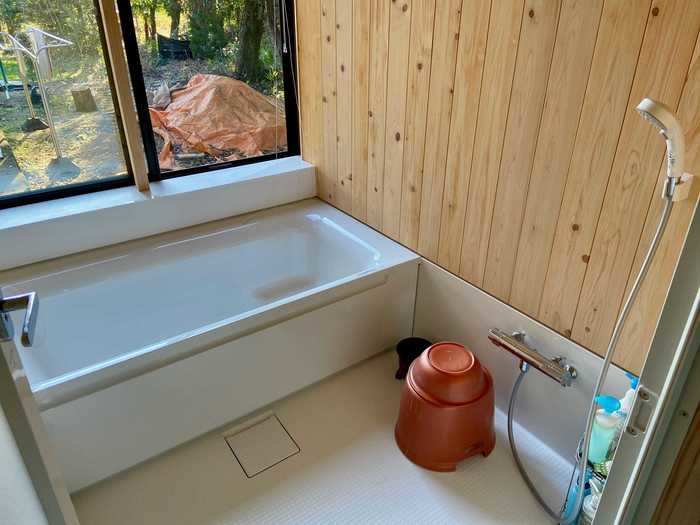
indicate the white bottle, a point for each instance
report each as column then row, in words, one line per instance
column 628, row 399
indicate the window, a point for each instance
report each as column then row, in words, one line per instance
column 213, row 81
column 59, row 131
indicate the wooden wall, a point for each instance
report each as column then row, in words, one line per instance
column 679, row 502
column 499, row 139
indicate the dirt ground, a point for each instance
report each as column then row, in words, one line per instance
column 90, row 140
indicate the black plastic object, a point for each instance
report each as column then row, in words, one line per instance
column 33, row 124
column 173, row 48
column 408, row 350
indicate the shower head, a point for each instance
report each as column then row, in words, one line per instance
column 665, row 121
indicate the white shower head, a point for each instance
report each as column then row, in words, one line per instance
column 663, row 118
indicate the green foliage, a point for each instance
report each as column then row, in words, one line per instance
column 74, row 20
column 12, row 14
column 207, row 36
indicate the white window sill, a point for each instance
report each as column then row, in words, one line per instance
column 59, row 227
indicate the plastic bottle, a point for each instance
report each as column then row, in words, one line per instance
column 590, row 504
column 605, row 426
column 628, row 399
column 573, row 491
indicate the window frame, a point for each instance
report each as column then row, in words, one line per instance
column 138, row 95
column 119, row 180
column 289, row 75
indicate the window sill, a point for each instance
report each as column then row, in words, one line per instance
column 55, row 228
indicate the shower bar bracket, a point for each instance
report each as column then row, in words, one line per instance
column 556, row 368
column 30, row 303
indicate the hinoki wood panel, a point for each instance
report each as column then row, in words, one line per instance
column 499, row 140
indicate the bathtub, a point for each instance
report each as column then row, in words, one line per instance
column 145, row 345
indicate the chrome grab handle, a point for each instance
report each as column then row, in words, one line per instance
column 28, row 301
column 555, row 368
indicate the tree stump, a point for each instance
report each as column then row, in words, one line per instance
column 83, row 100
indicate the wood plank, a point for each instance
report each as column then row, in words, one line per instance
column 612, row 72
column 467, row 89
column 499, row 66
column 344, row 66
column 642, row 320
column 573, row 53
column 360, row 106
column 329, row 166
column 397, row 78
column 125, row 96
column 679, row 501
column 671, row 32
column 442, row 74
column 308, row 23
column 420, row 57
column 379, row 55
column 532, row 66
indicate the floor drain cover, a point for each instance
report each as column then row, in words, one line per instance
column 262, row 445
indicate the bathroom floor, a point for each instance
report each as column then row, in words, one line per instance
column 349, row 470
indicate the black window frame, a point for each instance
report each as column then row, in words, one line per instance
column 119, row 180
column 289, row 75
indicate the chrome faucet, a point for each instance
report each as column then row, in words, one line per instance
column 555, row 368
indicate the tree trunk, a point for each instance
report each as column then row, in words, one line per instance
column 274, row 24
column 83, row 100
column 174, row 10
column 152, row 20
column 252, row 27
column 146, row 28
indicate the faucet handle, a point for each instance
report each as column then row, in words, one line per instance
column 28, row 301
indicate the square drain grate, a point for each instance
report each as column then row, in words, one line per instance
column 262, row 445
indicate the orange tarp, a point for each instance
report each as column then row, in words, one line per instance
column 222, row 117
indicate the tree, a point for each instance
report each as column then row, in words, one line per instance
column 174, row 9
column 147, row 10
column 207, row 37
column 252, row 27
column 12, row 13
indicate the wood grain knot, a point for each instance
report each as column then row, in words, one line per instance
column 655, row 11
column 585, row 258
column 531, row 13
column 575, row 227
column 342, row 67
column 567, row 333
column 328, row 38
column 397, row 136
column 404, row 8
column 419, row 65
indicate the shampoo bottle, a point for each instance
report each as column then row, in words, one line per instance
column 606, row 423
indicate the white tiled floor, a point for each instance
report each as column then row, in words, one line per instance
column 348, row 471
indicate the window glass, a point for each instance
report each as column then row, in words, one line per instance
column 213, row 76
column 58, row 128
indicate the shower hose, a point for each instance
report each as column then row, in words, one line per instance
column 568, row 516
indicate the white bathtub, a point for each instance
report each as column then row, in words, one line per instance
column 145, row 345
